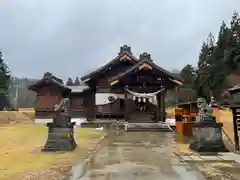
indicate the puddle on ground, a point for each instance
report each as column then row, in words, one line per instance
column 140, row 156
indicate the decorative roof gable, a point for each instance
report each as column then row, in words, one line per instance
column 146, row 62
column 125, row 54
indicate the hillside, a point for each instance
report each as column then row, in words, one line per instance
column 19, row 94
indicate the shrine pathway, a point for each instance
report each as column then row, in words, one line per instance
column 139, row 156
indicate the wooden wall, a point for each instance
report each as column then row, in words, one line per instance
column 47, row 97
column 102, row 86
column 81, row 104
column 112, row 109
column 89, row 103
column 77, row 105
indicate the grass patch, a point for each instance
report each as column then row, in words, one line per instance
column 30, row 112
column 8, row 117
column 23, row 115
column 20, row 149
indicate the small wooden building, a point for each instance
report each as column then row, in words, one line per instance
column 127, row 87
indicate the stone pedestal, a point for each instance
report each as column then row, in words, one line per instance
column 207, row 137
column 60, row 135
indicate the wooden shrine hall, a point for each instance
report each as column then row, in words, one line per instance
column 128, row 88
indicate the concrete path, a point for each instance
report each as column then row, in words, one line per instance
column 139, row 156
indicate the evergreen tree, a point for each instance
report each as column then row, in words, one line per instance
column 70, row 82
column 211, row 49
column 204, row 63
column 219, row 69
column 219, row 59
column 77, row 82
column 203, row 55
column 4, row 83
column 188, row 74
column 232, row 53
column 222, row 41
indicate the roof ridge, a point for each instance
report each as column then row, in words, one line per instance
column 142, row 61
column 48, row 75
column 124, row 50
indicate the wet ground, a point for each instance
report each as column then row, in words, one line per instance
column 218, row 170
column 140, row 156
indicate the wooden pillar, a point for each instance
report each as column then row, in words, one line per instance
column 161, row 107
column 94, row 104
column 91, row 107
column 158, row 107
column 126, row 105
column 235, row 126
column 176, row 94
column 163, row 110
column 111, row 112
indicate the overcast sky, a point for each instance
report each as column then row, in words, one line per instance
column 72, row 37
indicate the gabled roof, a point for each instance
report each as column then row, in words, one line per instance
column 124, row 54
column 48, row 78
column 146, row 62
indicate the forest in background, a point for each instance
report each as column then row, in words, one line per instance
column 19, row 95
column 217, row 70
column 217, row 67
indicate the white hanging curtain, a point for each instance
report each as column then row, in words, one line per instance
column 103, row 98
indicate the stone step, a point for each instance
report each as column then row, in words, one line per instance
column 147, row 127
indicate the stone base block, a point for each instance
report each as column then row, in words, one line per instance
column 207, row 138
column 60, row 139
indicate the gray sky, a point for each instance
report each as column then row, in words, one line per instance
column 72, row 37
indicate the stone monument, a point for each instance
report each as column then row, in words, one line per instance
column 61, row 130
column 207, row 133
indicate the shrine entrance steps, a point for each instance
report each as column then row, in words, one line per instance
column 141, row 118
column 163, row 127
column 128, row 126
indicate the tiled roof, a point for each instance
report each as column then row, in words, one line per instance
column 48, row 78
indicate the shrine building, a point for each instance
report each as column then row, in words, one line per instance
column 126, row 88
